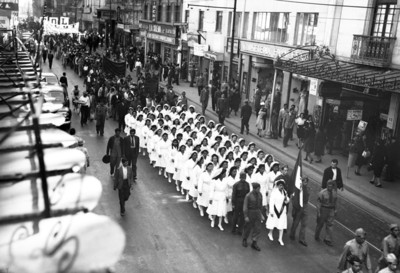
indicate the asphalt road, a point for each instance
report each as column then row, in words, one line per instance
column 165, row 233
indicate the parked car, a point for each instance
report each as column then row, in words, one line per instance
column 56, row 100
column 49, row 78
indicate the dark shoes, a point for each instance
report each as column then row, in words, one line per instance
column 255, row 246
column 328, row 243
column 378, row 186
column 244, row 243
column 304, row 243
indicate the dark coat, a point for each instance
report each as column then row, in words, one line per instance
column 110, row 145
column 246, row 112
column 328, row 174
column 378, row 160
column 319, row 145
column 131, row 153
column 235, row 101
column 118, row 178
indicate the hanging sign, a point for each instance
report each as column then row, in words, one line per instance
column 354, row 114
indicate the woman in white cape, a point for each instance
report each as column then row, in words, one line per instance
column 218, row 196
column 204, row 188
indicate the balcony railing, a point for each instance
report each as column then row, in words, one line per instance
column 372, row 50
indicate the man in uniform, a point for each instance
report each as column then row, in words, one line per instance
column 245, row 114
column 390, row 245
column 300, row 214
column 131, row 150
column 239, row 191
column 123, row 182
column 252, row 207
column 356, row 247
column 326, row 211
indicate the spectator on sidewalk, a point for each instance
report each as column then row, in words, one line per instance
column 123, row 182
column 222, row 109
column 257, row 99
column 356, row 247
column 319, row 145
column 138, row 67
column 262, row 113
column 288, row 124
column 378, row 162
column 171, row 96
column 204, row 97
column 64, row 80
column 183, row 100
column 281, row 115
column 50, row 56
column 333, row 173
column 393, row 154
column 192, row 75
column 359, row 148
column 326, row 212
column 213, row 93
column 309, row 138
column 245, row 115
column 200, row 83
column 390, row 245
column 234, row 101
column 84, row 101
column 300, row 124
column 85, row 151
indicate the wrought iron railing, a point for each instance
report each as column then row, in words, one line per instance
column 372, row 50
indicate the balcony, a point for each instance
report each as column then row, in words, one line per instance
column 372, row 50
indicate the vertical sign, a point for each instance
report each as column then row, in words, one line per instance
column 313, row 86
column 154, row 12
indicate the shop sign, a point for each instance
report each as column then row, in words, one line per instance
column 333, row 101
column 159, row 29
column 235, row 46
column 161, row 38
column 87, row 10
column 272, row 51
column 121, row 26
column 9, row 6
column 143, row 33
column 354, row 114
column 362, row 125
column 199, row 50
column 215, row 56
column 313, row 86
column 192, row 39
column 154, row 12
column 4, row 22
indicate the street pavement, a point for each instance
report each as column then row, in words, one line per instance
column 165, row 233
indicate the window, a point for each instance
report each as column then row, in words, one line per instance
column 159, row 13
column 230, row 24
column 271, row 27
column 237, row 23
column 245, row 25
column 187, row 16
column 146, row 7
column 201, row 20
column 168, row 19
column 306, row 28
column 177, row 17
column 218, row 22
column 383, row 20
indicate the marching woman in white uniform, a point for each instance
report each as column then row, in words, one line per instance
column 195, row 175
column 204, row 188
column 261, row 178
column 145, row 134
column 151, row 144
column 139, row 131
column 230, row 180
column 173, row 152
column 185, row 174
column 271, row 176
column 179, row 160
column 162, row 149
column 218, row 196
column 277, row 214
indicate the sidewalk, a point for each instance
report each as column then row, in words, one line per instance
column 382, row 202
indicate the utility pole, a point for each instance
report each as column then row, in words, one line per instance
column 232, row 42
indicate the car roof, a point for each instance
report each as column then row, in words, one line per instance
column 47, row 74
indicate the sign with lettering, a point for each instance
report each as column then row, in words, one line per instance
column 313, row 86
column 272, row 51
column 9, row 6
column 354, row 114
column 199, row 50
column 159, row 28
column 235, row 46
column 161, row 38
column 154, row 12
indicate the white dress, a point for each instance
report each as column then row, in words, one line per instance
column 204, row 188
column 179, row 160
column 218, row 196
column 270, row 181
column 171, row 160
column 150, row 145
column 162, row 149
column 186, row 178
column 195, row 174
column 145, row 132
column 230, row 181
column 263, row 181
column 276, row 201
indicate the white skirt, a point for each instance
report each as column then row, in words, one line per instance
column 217, row 208
column 274, row 222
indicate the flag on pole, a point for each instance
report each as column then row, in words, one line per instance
column 295, row 183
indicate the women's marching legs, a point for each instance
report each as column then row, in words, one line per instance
column 201, row 209
column 220, row 223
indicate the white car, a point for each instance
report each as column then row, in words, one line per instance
column 50, row 79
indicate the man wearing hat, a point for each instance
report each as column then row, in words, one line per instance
column 356, row 247
column 390, row 245
column 252, row 207
column 245, row 115
column 326, row 211
column 204, row 98
column 239, row 191
column 123, row 182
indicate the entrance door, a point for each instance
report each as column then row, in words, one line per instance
column 157, row 48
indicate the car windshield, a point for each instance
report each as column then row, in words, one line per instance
column 51, row 80
column 55, row 97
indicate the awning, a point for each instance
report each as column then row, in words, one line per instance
column 330, row 69
column 215, row 56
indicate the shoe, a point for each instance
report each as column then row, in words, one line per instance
column 378, row 186
column 281, row 242
column 169, row 180
column 159, row 172
column 328, row 243
column 209, row 217
column 212, row 223
column 247, row 132
column 111, row 172
column 255, row 246
column 182, row 192
column 165, row 175
column 194, row 204
column 122, row 213
column 292, row 237
column 187, row 197
column 304, row 243
column 270, row 237
column 177, row 188
column 221, row 228
column 244, row 243
column 144, row 153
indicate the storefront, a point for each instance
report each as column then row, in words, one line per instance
column 212, row 62
column 162, row 39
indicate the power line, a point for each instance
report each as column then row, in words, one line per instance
column 331, row 5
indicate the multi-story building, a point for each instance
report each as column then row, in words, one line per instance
column 161, row 27
column 336, row 59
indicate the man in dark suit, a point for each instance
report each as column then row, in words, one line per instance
column 335, row 174
column 131, row 150
column 245, row 115
column 123, row 182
